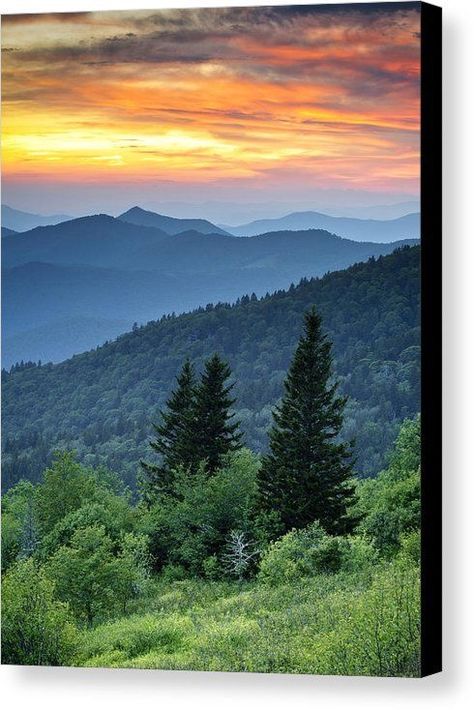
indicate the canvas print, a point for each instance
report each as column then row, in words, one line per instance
column 214, row 339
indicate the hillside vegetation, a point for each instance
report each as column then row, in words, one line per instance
column 225, row 559
column 81, row 559
column 102, row 403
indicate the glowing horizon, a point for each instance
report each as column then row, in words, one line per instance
column 322, row 97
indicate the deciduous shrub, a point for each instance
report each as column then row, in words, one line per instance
column 358, row 554
column 389, row 505
column 20, row 534
column 301, row 553
column 95, row 580
column 195, row 525
column 36, row 628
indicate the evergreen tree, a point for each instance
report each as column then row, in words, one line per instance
column 174, row 437
column 215, row 435
column 306, row 475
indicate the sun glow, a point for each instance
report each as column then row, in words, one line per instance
column 119, row 94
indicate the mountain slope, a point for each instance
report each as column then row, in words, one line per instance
column 22, row 221
column 295, row 254
column 98, row 240
column 100, row 267
column 373, row 230
column 102, row 403
column 42, row 297
column 6, row 232
column 170, row 225
column 103, row 241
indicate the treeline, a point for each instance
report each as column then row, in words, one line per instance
column 100, row 403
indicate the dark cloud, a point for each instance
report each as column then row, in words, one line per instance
column 210, row 34
column 44, row 17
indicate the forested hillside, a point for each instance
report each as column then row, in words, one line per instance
column 102, row 403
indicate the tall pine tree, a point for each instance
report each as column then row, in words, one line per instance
column 215, row 435
column 307, row 474
column 174, row 437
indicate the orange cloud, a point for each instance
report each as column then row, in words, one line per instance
column 332, row 99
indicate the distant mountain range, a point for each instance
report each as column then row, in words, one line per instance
column 170, row 225
column 377, row 230
column 227, row 212
column 101, row 269
column 371, row 230
column 108, row 242
column 22, row 221
column 18, row 221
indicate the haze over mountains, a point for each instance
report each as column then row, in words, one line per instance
column 103, row 274
column 20, row 221
column 406, row 227
column 235, row 213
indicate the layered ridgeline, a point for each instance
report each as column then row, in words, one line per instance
column 377, row 230
column 19, row 221
column 170, row 225
column 111, row 273
column 103, row 403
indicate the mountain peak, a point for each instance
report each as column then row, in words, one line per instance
column 136, row 210
column 170, row 225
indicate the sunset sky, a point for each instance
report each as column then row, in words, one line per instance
column 242, row 103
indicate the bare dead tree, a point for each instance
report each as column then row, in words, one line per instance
column 240, row 552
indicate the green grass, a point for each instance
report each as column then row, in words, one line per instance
column 362, row 624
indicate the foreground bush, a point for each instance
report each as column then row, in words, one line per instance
column 389, row 505
column 36, row 628
column 19, row 523
column 192, row 529
column 95, row 579
column 310, row 551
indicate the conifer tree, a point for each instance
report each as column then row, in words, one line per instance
column 215, row 435
column 307, row 474
column 174, row 436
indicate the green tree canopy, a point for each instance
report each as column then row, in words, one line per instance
column 389, row 505
column 190, row 529
column 92, row 577
column 36, row 628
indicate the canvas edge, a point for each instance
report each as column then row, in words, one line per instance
column 431, row 339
